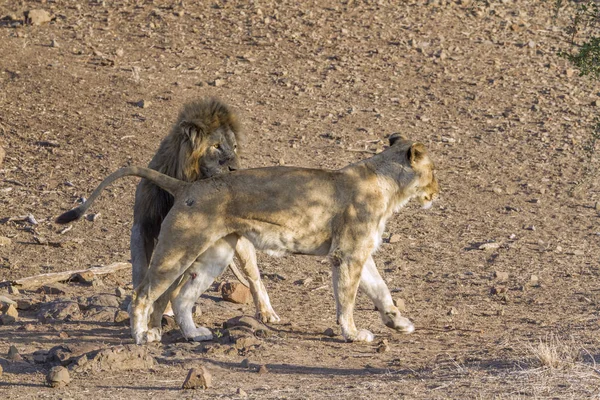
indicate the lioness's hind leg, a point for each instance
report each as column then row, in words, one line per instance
column 374, row 286
column 247, row 254
column 199, row 277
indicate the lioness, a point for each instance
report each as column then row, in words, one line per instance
column 203, row 142
column 304, row 211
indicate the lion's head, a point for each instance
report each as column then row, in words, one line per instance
column 203, row 142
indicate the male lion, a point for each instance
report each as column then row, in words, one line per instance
column 304, row 211
column 202, row 143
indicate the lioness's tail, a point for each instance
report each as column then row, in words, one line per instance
column 167, row 183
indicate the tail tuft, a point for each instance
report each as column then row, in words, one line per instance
column 69, row 216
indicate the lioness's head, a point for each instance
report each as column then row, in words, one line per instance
column 207, row 133
column 427, row 188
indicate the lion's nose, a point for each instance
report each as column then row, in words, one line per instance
column 232, row 168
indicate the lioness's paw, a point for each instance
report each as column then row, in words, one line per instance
column 200, row 334
column 154, row 335
column 395, row 321
column 140, row 338
column 268, row 317
column 362, row 335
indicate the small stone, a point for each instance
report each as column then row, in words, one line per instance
column 54, row 43
column 120, row 292
column 452, row 311
column 87, row 278
column 400, row 303
column 119, row 52
column 198, row 378
column 10, row 315
column 534, row 280
column 13, row 354
column 383, row 347
column 596, row 206
column 218, row 82
column 1, row 370
column 94, row 217
column 395, row 238
column 489, row 246
column 329, row 332
column 4, row 241
column 501, row 276
column 143, row 103
column 304, row 282
column 37, row 17
column 121, row 316
column 262, row 369
column 570, row 72
column 53, row 288
column 245, row 363
column 5, row 302
column 235, row 292
column 498, row 290
column 578, row 253
column 13, row 290
column 58, row 377
column 529, row 228
column 531, row 44
column 2, row 155
column 240, row 392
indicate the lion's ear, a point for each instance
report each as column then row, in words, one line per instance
column 190, row 129
column 395, row 137
column 416, row 153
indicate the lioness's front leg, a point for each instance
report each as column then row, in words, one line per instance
column 374, row 286
column 346, row 277
column 247, row 254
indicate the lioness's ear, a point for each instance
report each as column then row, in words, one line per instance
column 395, row 137
column 416, row 153
column 191, row 130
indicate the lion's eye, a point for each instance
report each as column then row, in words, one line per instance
column 217, row 146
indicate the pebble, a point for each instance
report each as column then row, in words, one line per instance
column 329, row 332
column 121, row 316
column 501, row 276
column 38, row 16
column 58, row 377
column 13, row 354
column 262, row 370
column 10, row 315
column 240, row 392
column 400, row 303
column 452, row 311
column 245, row 363
column 2, row 155
column 4, row 241
column 235, row 292
column 54, row 43
column 119, row 52
column 383, row 347
column 143, row 104
column 198, row 378
column 534, row 280
column 489, row 246
column 395, row 238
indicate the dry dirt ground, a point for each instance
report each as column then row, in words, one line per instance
column 317, row 84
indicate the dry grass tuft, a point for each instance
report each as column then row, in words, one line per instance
column 556, row 353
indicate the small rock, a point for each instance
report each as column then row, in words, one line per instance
column 534, row 280
column 570, row 72
column 235, row 292
column 10, row 315
column 119, row 52
column 13, row 290
column 13, row 354
column 121, row 316
column 501, row 276
column 578, row 253
column 218, row 82
column 245, row 363
column 304, row 282
column 329, row 332
column 198, row 378
column 395, row 238
column 489, row 246
column 94, row 217
column 54, row 43
column 58, row 377
column 529, row 227
column 37, row 17
column 120, row 292
column 240, row 392
column 383, row 347
column 262, row 369
column 87, row 278
column 26, row 304
column 4, row 241
column 1, row 370
column 53, row 288
column 498, row 290
column 452, row 311
column 2, row 155
column 400, row 303
column 5, row 302
column 596, row 206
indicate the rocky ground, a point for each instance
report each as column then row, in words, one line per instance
column 500, row 277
